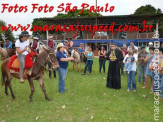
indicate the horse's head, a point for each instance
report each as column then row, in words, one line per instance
column 73, row 53
column 52, row 58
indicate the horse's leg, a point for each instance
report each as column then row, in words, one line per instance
column 73, row 65
column 41, row 82
column 10, row 87
column 80, row 67
column 30, row 80
column 6, row 88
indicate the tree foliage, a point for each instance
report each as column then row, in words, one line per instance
column 150, row 10
column 7, row 34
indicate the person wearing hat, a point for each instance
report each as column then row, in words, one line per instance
column 35, row 44
column 62, row 59
column 70, row 44
column 150, row 44
column 22, row 50
column 7, row 45
column 51, row 43
column 141, row 64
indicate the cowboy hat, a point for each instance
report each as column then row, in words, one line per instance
column 60, row 45
column 35, row 38
column 150, row 43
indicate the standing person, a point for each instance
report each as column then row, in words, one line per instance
column 115, row 57
column 62, row 59
column 161, row 73
column 124, row 52
column 51, row 43
column 89, row 61
column 7, row 45
column 132, row 72
column 156, row 64
column 81, row 51
column 102, row 54
column 148, row 73
column 132, row 46
column 124, row 49
column 141, row 64
column 35, row 44
column 150, row 44
column 22, row 50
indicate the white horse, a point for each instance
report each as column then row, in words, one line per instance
column 77, row 60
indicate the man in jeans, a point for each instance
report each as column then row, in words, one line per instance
column 142, row 64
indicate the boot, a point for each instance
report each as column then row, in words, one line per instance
column 21, row 76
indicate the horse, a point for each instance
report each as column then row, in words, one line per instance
column 37, row 73
column 6, row 53
column 77, row 60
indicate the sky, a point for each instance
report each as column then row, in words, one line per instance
column 122, row 7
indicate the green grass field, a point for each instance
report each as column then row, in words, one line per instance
column 86, row 99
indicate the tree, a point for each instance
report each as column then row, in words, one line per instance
column 7, row 34
column 150, row 10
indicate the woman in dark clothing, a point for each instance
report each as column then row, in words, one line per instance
column 102, row 54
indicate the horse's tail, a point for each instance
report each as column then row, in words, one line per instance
column 3, row 78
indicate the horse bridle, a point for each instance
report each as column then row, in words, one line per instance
column 47, row 59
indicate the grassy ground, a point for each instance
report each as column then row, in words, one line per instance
column 86, row 99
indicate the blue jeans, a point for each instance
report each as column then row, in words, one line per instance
column 131, row 78
column 89, row 66
column 142, row 70
column 161, row 87
column 62, row 72
column 156, row 82
column 102, row 64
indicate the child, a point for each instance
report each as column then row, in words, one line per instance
column 89, row 62
column 129, row 62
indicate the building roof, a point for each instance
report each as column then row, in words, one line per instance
column 104, row 20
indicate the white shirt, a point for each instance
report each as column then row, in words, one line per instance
column 22, row 45
column 134, row 63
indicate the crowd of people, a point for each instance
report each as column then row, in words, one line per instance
column 122, row 60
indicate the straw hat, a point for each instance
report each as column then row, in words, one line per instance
column 35, row 38
column 60, row 45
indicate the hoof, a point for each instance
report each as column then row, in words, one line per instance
column 6, row 94
column 48, row 99
column 30, row 100
column 13, row 97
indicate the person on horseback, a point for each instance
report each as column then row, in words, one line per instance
column 51, row 43
column 70, row 44
column 35, row 44
column 22, row 50
column 7, row 45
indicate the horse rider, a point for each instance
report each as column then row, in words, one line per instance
column 22, row 49
column 35, row 44
column 70, row 44
column 51, row 43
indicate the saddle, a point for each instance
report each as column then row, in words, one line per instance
column 14, row 64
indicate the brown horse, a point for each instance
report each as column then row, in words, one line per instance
column 6, row 53
column 37, row 73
